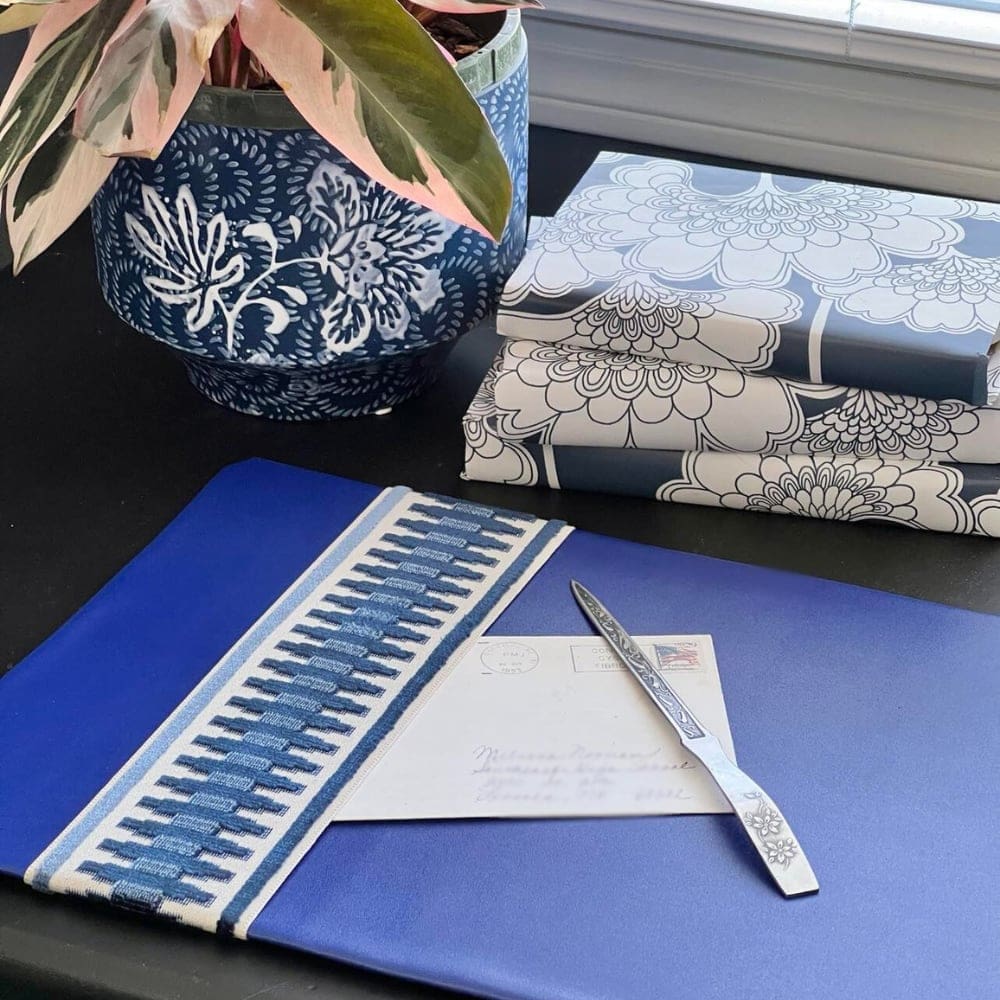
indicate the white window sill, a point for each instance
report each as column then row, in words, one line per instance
column 949, row 42
column 902, row 34
column 806, row 26
column 903, row 93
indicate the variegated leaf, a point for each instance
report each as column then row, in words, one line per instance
column 371, row 81
column 474, row 6
column 50, row 191
column 150, row 72
column 60, row 59
column 20, row 16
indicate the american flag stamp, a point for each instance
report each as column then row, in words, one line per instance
column 682, row 654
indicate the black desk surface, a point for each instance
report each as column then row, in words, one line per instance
column 102, row 442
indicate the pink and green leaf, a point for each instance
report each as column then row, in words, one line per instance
column 20, row 16
column 150, row 73
column 474, row 6
column 60, row 60
column 372, row 82
column 49, row 191
column 28, row 3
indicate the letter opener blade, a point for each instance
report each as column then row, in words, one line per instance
column 763, row 822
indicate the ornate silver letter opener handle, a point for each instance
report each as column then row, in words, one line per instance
column 767, row 829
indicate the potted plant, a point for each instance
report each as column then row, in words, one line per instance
column 308, row 200
column 11, row 50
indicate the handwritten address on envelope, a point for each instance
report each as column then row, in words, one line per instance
column 537, row 726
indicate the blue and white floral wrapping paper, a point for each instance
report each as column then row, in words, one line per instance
column 563, row 395
column 821, row 281
column 956, row 498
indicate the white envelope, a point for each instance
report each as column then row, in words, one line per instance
column 550, row 726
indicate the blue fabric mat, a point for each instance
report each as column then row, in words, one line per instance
column 870, row 718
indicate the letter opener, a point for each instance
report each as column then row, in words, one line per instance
column 763, row 822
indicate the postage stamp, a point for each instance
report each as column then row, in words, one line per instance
column 682, row 654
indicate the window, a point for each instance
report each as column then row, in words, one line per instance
column 987, row 5
column 903, row 92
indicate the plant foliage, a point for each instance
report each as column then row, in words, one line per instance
column 107, row 78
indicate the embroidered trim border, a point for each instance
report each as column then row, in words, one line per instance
column 212, row 813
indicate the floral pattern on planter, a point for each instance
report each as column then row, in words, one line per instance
column 378, row 255
column 268, row 251
column 319, row 392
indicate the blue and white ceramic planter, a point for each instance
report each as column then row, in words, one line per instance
column 290, row 284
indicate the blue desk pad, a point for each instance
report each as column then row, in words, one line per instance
column 871, row 718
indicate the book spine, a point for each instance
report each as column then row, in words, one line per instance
column 565, row 396
column 954, row 498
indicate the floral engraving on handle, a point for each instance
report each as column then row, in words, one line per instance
column 767, row 823
column 781, row 852
column 634, row 656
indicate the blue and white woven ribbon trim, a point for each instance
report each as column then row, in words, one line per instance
column 213, row 812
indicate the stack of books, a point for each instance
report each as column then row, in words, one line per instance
column 705, row 335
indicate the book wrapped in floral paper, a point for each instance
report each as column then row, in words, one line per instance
column 563, row 395
column 821, row 281
column 951, row 497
